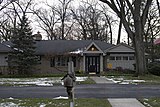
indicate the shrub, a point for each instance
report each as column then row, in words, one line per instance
column 154, row 68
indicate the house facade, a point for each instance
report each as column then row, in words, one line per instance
column 88, row 56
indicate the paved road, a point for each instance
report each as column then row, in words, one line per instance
column 83, row 91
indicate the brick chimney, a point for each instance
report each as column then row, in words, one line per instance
column 38, row 36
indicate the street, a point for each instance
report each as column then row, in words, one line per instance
column 83, row 91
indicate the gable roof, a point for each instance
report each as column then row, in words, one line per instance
column 98, row 49
column 122, row 48
column 63, row 46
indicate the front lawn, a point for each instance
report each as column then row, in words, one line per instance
column 85, row 102
column 45, row 81
column 131, row 79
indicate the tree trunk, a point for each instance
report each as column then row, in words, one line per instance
column 62, row 35
column 128, row 39
column 140, row 57
column 158, row 6
column 119, row 32
column 138, row 42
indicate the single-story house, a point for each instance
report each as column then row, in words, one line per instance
column 157, row 41
column 89, row 56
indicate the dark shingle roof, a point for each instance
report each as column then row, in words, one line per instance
column 4, row 48
column 62, row 46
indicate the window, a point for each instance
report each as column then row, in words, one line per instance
column 131, row 57
column 118, row 57
column 58, row 61
column 62, row 61
column 125, row 57
column 74, row 60
column 52, row 62
column 38, row 59
column 111, row 58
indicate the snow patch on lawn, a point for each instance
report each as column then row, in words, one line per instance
column 42, row 105
column 121, row 80
column 8, row 104
column 60, row 97
column 50, row 81
column 80, row 79
column 10, row 98
column 147, row 105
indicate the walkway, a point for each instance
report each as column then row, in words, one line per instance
column 125, row 102
column 118, row 102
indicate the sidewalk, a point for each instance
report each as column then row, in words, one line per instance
column 125, row 102
column 118, row 102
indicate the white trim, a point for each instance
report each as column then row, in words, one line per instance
column 101, row 63
column 84, row 65
column 99, row 50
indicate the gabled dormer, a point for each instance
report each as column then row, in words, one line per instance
column 93, row 48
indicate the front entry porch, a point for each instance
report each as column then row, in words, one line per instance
column 93, row 59
column 93, row 64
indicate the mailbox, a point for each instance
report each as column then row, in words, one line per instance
column 68, row 81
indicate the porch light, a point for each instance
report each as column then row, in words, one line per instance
column 92, row 49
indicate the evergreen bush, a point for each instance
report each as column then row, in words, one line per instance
column 154, row 68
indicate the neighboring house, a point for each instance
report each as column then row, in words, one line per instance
column 4, row 50
column 88, row 56
column 157, row 41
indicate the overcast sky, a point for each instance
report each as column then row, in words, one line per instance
column 75, row 3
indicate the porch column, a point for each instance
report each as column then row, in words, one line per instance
column 84, row 63
column 101, row 63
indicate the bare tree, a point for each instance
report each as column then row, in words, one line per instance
column 6, row 19
column 109, row 22
column 158, row 5
column 139, row 18
column 47, row 20
column 5, row 29
column 152, row 30
column 95, row 24
column 5, row 3
column 62, row 11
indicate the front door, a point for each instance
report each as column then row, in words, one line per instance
column 93, row 64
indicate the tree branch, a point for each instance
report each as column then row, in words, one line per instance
column 145, row 12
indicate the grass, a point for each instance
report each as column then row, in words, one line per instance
column 36, row 81
column 33, row 75
column 85, row 102
column 151, row 102
column 149, row 78
column 88, row 81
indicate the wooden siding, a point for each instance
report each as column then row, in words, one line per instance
column 3, row 60
column 45, row 68
column 125, row 64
